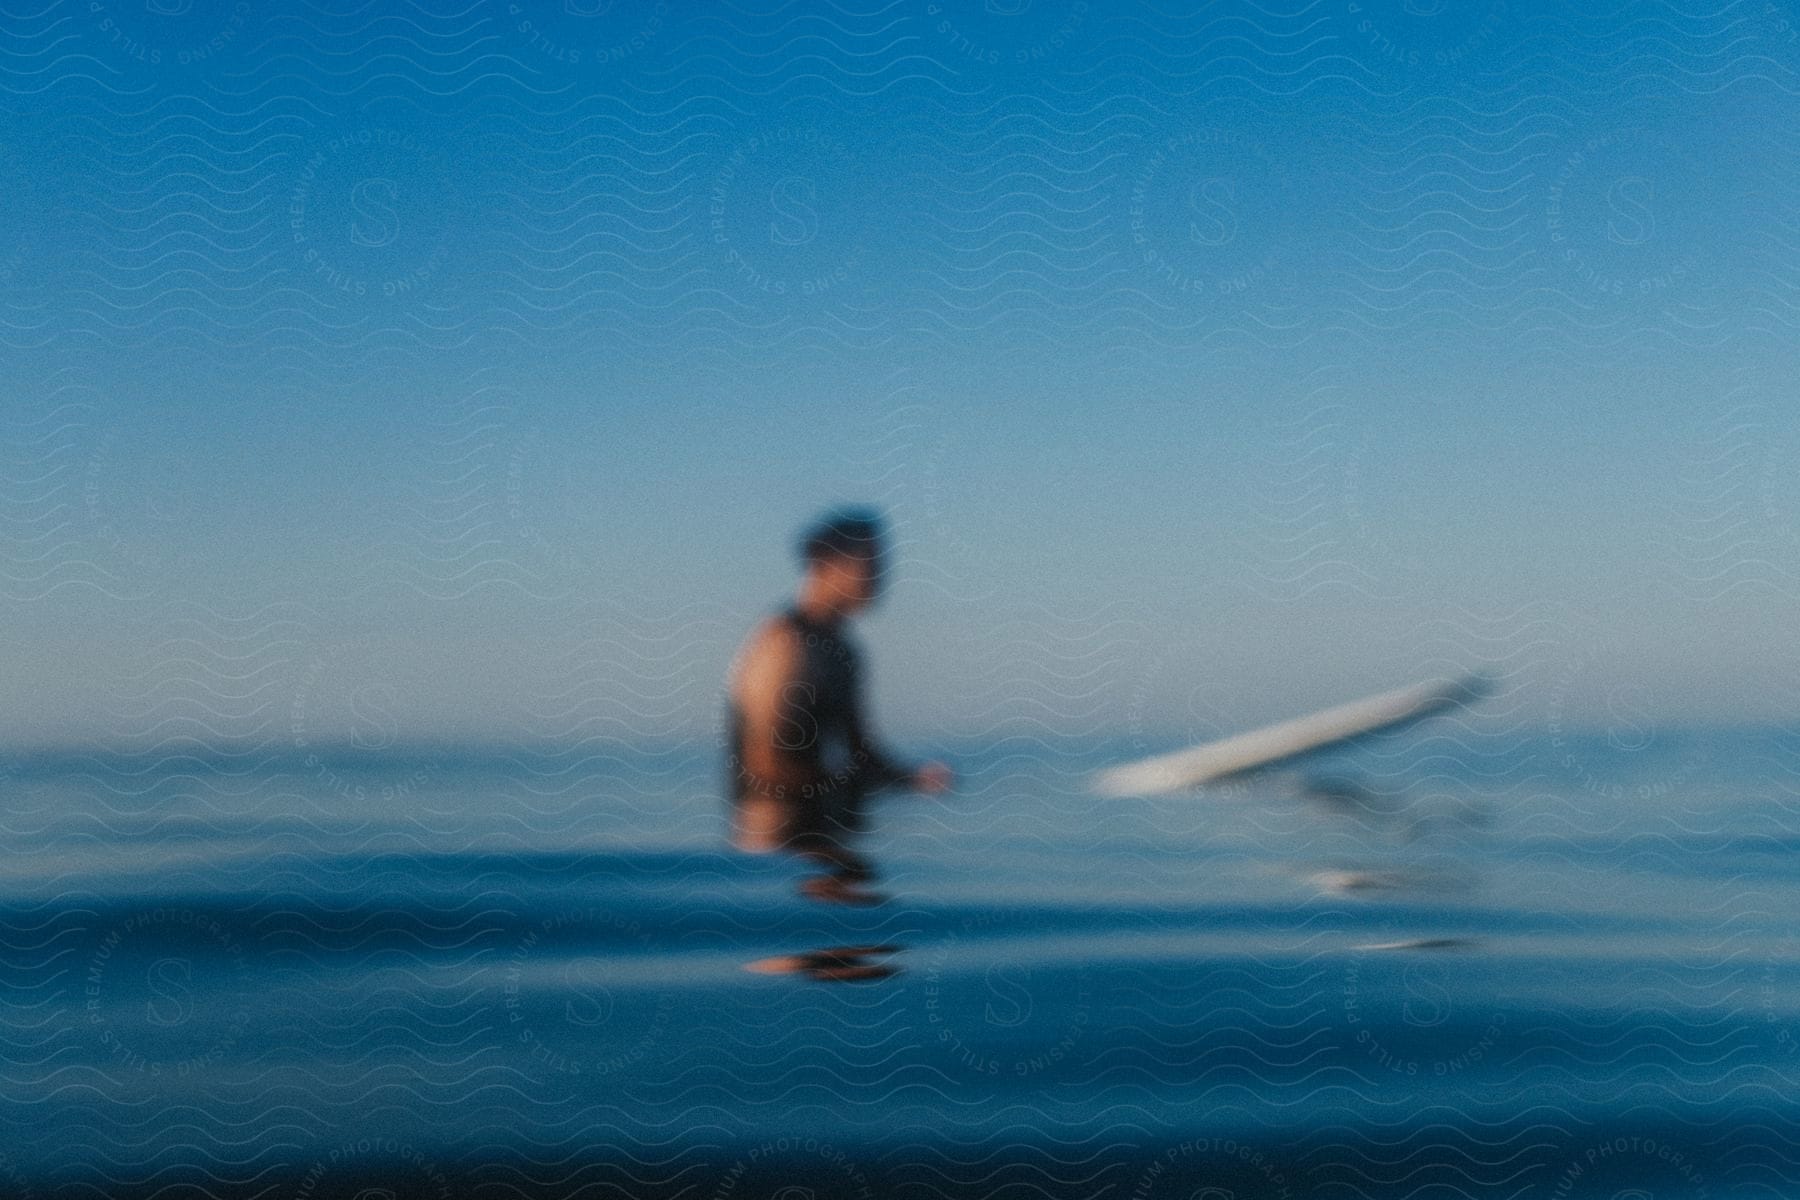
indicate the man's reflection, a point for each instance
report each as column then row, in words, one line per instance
column 834, row 964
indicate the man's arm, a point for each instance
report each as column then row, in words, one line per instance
column 878, row 767
column 778, row 707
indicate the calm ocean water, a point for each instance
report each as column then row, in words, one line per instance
column 1538, row 966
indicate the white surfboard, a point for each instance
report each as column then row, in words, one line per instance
column 1289, row 739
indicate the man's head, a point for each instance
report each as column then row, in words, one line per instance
column 842, row 556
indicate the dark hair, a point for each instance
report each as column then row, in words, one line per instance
column 844, row 533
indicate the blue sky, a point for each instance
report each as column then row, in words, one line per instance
column 1268, row 355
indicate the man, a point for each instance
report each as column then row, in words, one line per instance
column 801, row 759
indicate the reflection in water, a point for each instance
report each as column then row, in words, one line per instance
column 1154, row 974
column 839, row 888
column 834, row 964
column 843, row 879
column 1347, row 881
column 1403, row 847
column 1383, row 824
column 1390, row 813
column 1351, row 799
column 1439, row 943
column 845, row 883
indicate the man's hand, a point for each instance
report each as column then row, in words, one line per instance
column 934, row 778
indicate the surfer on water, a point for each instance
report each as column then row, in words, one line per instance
column 801, row 760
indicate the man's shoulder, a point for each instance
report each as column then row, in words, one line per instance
column 775, row 636
column 777, row 627
column 785, row 639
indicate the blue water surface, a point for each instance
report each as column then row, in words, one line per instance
column 1544, row 966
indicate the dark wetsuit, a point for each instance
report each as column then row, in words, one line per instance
column 826, row 762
